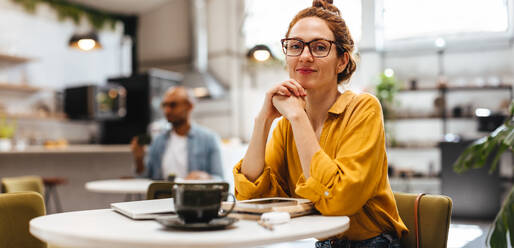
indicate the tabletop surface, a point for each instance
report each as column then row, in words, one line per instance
column 124, row 186
column 107, row 228
column 131, row 185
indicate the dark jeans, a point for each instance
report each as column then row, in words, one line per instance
column 380, row 241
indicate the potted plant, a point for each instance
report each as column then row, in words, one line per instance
column 6, row 133
column 386, row 90
column 475, row 156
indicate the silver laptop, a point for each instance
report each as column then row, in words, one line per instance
column 147, row 209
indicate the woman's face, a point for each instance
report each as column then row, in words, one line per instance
column 309, row 71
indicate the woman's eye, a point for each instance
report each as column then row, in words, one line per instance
column 321, row 48
column 294, row 46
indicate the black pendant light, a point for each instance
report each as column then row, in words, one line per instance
column 85, row 42
column 260, row 53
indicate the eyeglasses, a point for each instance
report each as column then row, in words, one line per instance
column 318, row 48
column 169, row 104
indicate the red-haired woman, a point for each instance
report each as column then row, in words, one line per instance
column 329, row 147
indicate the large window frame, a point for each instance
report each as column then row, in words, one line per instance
column 461, row 41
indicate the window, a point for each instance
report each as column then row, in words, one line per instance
column 405, row 19
column 267, row 20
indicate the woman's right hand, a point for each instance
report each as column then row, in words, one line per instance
column 286, row 88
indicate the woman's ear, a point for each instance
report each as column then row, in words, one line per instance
column 342, row 62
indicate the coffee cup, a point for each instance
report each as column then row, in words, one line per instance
column 200, row 202
column 171, row 177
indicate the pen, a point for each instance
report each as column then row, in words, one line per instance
column 265, row 225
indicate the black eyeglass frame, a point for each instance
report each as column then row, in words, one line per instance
column 284, row 49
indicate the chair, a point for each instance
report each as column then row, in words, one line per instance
column 24, row 183
column 433, row 219
column 16, row 210
column 45, row 186
column 51, row 184
column 159, row 190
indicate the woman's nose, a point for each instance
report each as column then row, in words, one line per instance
column 306, row 54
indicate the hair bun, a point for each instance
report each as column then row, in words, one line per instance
column 315, row 2
column 326, row 5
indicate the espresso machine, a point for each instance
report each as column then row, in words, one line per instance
column 143, row 100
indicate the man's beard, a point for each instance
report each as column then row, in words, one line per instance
column 178, row 123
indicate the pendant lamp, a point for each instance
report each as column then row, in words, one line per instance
column 85, row 42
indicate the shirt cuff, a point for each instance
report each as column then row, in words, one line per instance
column 246, row 189
column 322, row 169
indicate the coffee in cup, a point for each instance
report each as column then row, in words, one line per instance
column 200, row 202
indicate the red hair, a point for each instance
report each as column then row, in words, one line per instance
column 324, row 9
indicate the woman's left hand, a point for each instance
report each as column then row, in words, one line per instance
column 289, row 106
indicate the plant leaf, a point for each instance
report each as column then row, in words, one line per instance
column 510, row 217
column 497, row 236
column 497, row 157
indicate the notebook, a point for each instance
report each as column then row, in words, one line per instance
column 252, row 209
column 147, row 209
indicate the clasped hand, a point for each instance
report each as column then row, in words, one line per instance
column 289, row 99
column 285, row 99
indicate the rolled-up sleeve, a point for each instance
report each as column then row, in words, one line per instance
column 342, row 185
column 271, row 181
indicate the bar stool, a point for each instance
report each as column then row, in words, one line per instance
column 51, row 191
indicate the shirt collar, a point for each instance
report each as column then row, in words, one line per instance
column 192, row 131
column 342, row 102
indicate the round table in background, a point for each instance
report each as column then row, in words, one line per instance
column 133, row 187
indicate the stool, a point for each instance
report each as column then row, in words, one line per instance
column 50, row 190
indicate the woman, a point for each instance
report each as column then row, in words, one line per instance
column 330, row 146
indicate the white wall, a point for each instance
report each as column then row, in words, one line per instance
column 43, row 38
column 164, row 35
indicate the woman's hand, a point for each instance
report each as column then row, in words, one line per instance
column 287, row 88
column 289, row 106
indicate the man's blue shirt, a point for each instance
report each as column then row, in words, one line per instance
column 203, row 153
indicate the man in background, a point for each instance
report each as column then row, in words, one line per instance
column 186, row 151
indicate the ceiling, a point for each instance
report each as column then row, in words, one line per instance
column 128, row 7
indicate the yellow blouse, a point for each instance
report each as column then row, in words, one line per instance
column 348, row 176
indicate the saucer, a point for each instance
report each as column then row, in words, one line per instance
column 214, row 224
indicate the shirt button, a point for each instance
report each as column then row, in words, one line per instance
column 326, row 193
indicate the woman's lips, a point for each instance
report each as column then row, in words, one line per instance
column 305, row 71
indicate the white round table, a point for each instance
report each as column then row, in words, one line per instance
column 106, row 228
column 122, row 186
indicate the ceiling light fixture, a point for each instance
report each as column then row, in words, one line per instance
column 260, row 53
column 85, row 42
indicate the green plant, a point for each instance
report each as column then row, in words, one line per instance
column 475, row 156
column 72, row 11
column 7, row 129
column 386, row 90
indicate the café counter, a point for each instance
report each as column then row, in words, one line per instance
column 78, row 164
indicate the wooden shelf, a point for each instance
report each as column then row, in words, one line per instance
column 13, row 59
column 71, row 149
column 475, row 88
column 414, row 145
column 18, row 87
column 34, row 116
column 429, row 117
column 459, row 88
